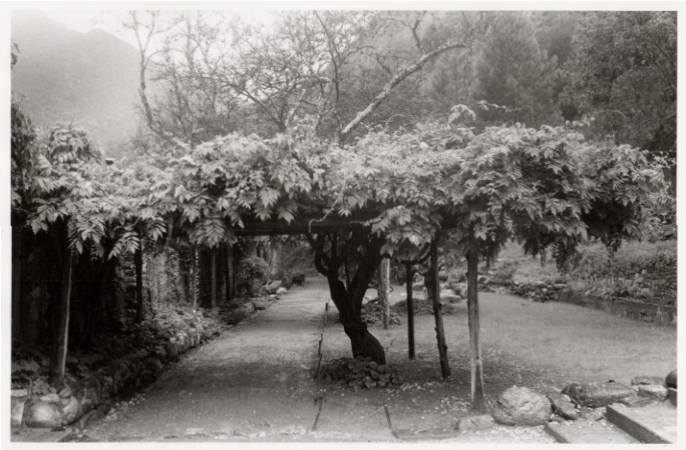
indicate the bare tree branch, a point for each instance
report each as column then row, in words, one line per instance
column 392, row 83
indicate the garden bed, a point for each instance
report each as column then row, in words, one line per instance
column 116, row 364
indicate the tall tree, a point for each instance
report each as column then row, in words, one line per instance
column 513, row 72
column 624, row 74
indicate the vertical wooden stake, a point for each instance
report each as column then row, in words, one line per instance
column 213, row 277
column 477, row 377
column 194, row 278
column 410, row 309
column 384, row 291
column 60, row 356
column 138, row 262
column 438, row 316
column 227, row 272
column 17, row 325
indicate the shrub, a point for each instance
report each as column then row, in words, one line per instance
column 253, row 271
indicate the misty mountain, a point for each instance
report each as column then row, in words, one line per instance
column 62, row 75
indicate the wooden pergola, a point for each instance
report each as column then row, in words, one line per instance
column 312, row 224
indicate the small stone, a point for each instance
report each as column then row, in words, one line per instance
column 593, row 414
column 670, row 380
column 563, row 406
column 382, row 368
column 65, row 392
column 373, row 365
column 449, row 296
column 636, row 402
column 52, row 398
column 475, row 423
column 281, row 291
column 657, row 391
column 260, row 304
column 645, row 379
column 451, row 308
column 19, row 392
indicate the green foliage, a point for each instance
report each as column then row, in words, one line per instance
column 22, row 160
column 544, row 186
column 250, row 269
column 638, row 269
column 624, row 74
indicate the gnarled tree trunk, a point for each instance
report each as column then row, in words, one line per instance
column 332, row 253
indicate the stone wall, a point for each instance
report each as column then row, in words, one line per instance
column 624, row 307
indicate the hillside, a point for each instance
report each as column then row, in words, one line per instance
column 67, row 76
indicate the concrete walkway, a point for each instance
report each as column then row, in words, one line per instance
column 252, row 382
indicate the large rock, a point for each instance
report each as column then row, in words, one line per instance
column 40, row 414
column 563, row 406
column 596, row 395
column 670, row 380
column 522, row 406
column 475, row 423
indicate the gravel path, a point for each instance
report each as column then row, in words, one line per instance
column 254, row 382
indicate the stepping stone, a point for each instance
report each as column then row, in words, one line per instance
column 588, row 432
column 655, row 424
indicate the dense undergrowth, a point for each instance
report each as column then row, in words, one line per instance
column 639, row 270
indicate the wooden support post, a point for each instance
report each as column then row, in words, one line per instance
column 227, row 272
column 213, row 277
column 62, row 342
column 138, row 262
column 410, row 309
column 194, row 277
column 477, row 378
column 438, row 315
column 231, row 269
column 384, row 289
column 18, row 326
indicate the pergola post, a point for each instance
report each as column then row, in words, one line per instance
column 384, row 289
column 213, row 277
column 434, row 288
column 410, row 309
column 477, row 377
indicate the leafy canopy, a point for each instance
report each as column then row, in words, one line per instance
column 544, row 186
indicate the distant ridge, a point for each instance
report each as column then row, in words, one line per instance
column 67, row 76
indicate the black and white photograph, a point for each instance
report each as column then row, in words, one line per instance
column 340, row 222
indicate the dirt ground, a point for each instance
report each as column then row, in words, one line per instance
column 254, row 382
